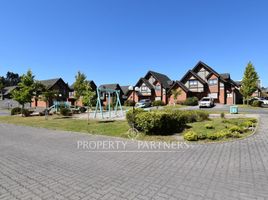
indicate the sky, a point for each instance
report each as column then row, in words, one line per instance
column 118, row 41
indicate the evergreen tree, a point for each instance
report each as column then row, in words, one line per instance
column 249, row 82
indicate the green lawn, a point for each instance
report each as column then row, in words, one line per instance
column 108, row 128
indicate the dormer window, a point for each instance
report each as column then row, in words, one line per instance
column 151, row 80
column 213, row 81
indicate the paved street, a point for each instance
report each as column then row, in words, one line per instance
column 43, row 164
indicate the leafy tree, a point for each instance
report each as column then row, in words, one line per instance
column 88, row 95
column 25, row 91
column 48, row 96
column 12, row 79
column 83, row 90
column 176, row 94
column 80, row 85
column 249, row 82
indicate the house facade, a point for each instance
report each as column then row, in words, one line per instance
column 104, row 96
column 56, row 85
column 153, row 86
column 72, row 98
column 204, row 81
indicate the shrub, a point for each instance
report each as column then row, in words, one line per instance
column 16, row 111
column 209, row 126
column 158, row 103
column 190, row 136
column 25, row 112
column 161, row 122
column 235, row 129
column 223, row 115
column 191, row 101
column 65, row 112
column 253, row 120
column 202, row 136
column 131, row 116
column 248, row 124
column 256, row 103
column 212, row 136
column 129, row 103
column 82, row 109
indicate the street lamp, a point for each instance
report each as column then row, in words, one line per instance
column 134, row 90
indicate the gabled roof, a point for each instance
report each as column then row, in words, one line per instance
column 125, row 89
column 206, row 67
column 162, row 78
column 9, row 89
column 181, row 85
column 50, row 82
column 113, row 86
column 190, row 72
column 225, row 76
column 90, row 81
column 147, row 83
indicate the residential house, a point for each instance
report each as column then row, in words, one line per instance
column 257, row 93
column 104, row 96
column 6, row 92
column 204, row 81
column 72, row 98
column 125, row 90
column 57, row 85
column 153, row 86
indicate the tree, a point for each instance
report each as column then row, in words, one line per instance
column 176, row 94
column 249, row 82
column 25, row 91
column 12, row 79
column 80, row 85
column 48, row 96
column 83, row 89
column 88, row 95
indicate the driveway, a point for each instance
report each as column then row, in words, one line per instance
column 43, row 164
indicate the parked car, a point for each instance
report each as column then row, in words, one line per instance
column 263, row 101
column 206, row 102
column 144, row 103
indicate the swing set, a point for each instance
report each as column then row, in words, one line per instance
column 108, row 93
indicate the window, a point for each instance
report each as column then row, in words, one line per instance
column 193, row 83
column 213, row 81
column 158, row 87
column 144, row 88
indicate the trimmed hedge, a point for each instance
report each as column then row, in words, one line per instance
column 65, row 112
column 163, row 122
column 191, row 101
column 158, row 103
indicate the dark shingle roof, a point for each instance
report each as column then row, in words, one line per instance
column 113, row 86
column 8, row 90
column 50, row 82
column 162, row 78
column 181, row 85
column 147, row 83
column 125, row 89
column 193, row 74
column 225, row 76
column 90, row 81
column 205, row 66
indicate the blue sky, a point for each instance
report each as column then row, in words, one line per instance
column 120, row 40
